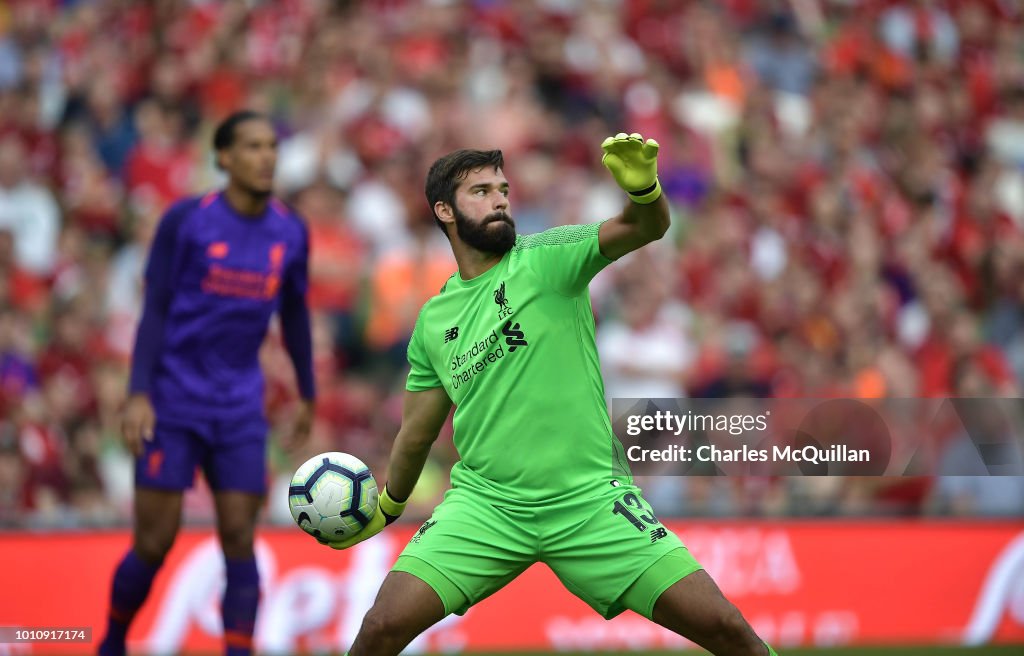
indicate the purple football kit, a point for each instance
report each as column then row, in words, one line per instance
column 213, row 281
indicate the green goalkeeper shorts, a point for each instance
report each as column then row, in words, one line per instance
column 609, row 549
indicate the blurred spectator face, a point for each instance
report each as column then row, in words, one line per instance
column 964, row 334
column 865, row 250
column 6, row 247
column 169, row 81
column 149, row 121
column 939, row 293
column 974, row 20
column 959, row 102
column 105, row 99
column 982, row 420
column 971, row 381
column 75, row 142
column 929, row 109
column 981, row 196
column 71, row 331
column 12, row 162
column 640, row 306
column 320, row 204
column 16, row 338
column 8, row 103
column 62, row 398
column 143, row 228
column 26, row 110
column 1007, row 263
column 1015, row 104
column 108, row 383
column 12, row 474
column 34, row 66
column 252, row 156
column 6, row 330
column 826, row 206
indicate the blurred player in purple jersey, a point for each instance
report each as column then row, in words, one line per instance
column 220, row 266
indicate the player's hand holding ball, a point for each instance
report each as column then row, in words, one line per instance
column 388, row 510
column 633, row 163
column 334, row 498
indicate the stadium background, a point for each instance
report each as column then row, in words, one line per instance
column 847, row 186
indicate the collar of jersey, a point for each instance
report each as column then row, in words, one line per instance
column 249, row 218
column 483, row 277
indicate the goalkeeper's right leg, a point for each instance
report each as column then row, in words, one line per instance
column 404, row 608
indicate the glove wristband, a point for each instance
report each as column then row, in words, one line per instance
column 390, row 508
column 648, row 195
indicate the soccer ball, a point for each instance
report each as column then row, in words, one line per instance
column 332, row 496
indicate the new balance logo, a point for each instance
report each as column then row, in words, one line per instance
column 513, row 336
column 451, row 333
column 218, row 250
column 658, row 533
column 499, row 297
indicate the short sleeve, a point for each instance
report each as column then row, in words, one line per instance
column 164, row 251
column 422, row 375
column 567, row 257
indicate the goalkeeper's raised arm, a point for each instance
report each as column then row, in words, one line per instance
column 634, row 165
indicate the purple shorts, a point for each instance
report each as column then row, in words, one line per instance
column 231, row 453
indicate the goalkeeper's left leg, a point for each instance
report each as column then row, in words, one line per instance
column 696, row 609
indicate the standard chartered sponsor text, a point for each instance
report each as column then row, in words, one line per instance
column 480, row 348
column 711, row 453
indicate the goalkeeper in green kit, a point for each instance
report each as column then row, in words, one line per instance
column 509, row 341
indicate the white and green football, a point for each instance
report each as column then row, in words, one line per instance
column 332, row 496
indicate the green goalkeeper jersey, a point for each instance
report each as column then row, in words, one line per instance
column 514, row 348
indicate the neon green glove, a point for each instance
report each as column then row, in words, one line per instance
column 388, row 510
column 634, row 165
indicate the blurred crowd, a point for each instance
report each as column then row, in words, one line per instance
column 846, row 179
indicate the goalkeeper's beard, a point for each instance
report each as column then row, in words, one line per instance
column 496, row 233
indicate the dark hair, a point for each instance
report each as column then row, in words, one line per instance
column 224, row 135
column 447, row 171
